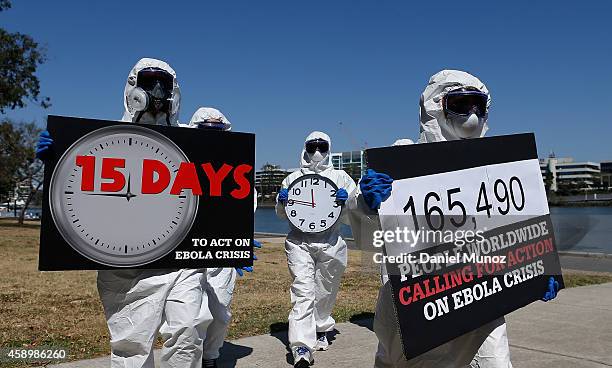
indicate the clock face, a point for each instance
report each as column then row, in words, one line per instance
column 108, row 219
column 312, row 206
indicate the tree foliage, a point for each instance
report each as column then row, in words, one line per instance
column 21, row 174
column 20, row 56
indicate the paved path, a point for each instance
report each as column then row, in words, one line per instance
column 573, row 331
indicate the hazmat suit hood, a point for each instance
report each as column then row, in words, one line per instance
column 307, row 164
column 209, row 114
column 131, row 114
column 435, row 126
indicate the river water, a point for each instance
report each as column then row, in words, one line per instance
column 577, row 229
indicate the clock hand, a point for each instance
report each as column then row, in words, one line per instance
column 129, row 194
column 312, row 196
column 303, row 203
column 123, row 195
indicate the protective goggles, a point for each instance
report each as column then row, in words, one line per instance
column 318, row 144
column 212, row 125
column 148, row 78
column 465, row 103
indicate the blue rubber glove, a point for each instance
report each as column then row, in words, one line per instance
column 240, row 270
column 341, row 196
column 45, row 142
column 553, row 288
column 375, row 188
column 283, row 196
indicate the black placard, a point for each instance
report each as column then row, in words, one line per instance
column 218, row 217
column 410, row 296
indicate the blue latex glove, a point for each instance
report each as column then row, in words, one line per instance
column 553, row 288
column 283, row 196
column 45, row 142
column 240, row 270
column 341, row 196
column 375, row 188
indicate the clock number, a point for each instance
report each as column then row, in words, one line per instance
column 312, row 226
column 303, row 183
column 296, row 191
column 323, row 223
column 331, row 215
column 88, row 168
column 314, row 181
column 429, row 211
column 302, row 222
column 487, row 207
column 333, row 193
column 109, row 171
column 452, row 204
column 293, row 213
column 290, row 202
column 410, row 205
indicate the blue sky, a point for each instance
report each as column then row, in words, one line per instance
column 281, row 69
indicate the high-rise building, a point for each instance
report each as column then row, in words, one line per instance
column 351, row 161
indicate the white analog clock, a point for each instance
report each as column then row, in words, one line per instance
column 108, row 219
column 311, row 205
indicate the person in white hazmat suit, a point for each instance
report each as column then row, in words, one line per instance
column 137, row 302
column 218, row 283
column 316, row 261
column 453, row 106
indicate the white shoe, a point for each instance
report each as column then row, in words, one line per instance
column 302, row 357
column 322, row 343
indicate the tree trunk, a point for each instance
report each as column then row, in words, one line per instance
column 31, row 195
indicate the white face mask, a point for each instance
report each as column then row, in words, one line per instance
column 467, row 127
column 316, row 157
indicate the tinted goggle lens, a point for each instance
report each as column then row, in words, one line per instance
column 148, row 78
column 211, row 125
column 318, row 144
column 466, row 103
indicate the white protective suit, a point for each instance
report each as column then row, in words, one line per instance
column 137, row 302
column 218, row 283
column 485, row 347
column 316, row 261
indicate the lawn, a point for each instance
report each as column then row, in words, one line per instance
column 62, row 308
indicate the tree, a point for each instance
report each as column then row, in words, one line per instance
column 20, row 56
column 21, row 173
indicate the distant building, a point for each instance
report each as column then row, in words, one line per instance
column 563, row 172
column 269, row 179
column 606, row 174
column 351, row 161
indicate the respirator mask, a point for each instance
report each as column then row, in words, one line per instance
column 153, row 92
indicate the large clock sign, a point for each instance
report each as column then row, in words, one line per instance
column 120, row 227
column 312, row 205
column 136, row 196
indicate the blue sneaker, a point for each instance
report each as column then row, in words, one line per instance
column 302, row 357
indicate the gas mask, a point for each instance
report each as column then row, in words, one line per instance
column 153, row 93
